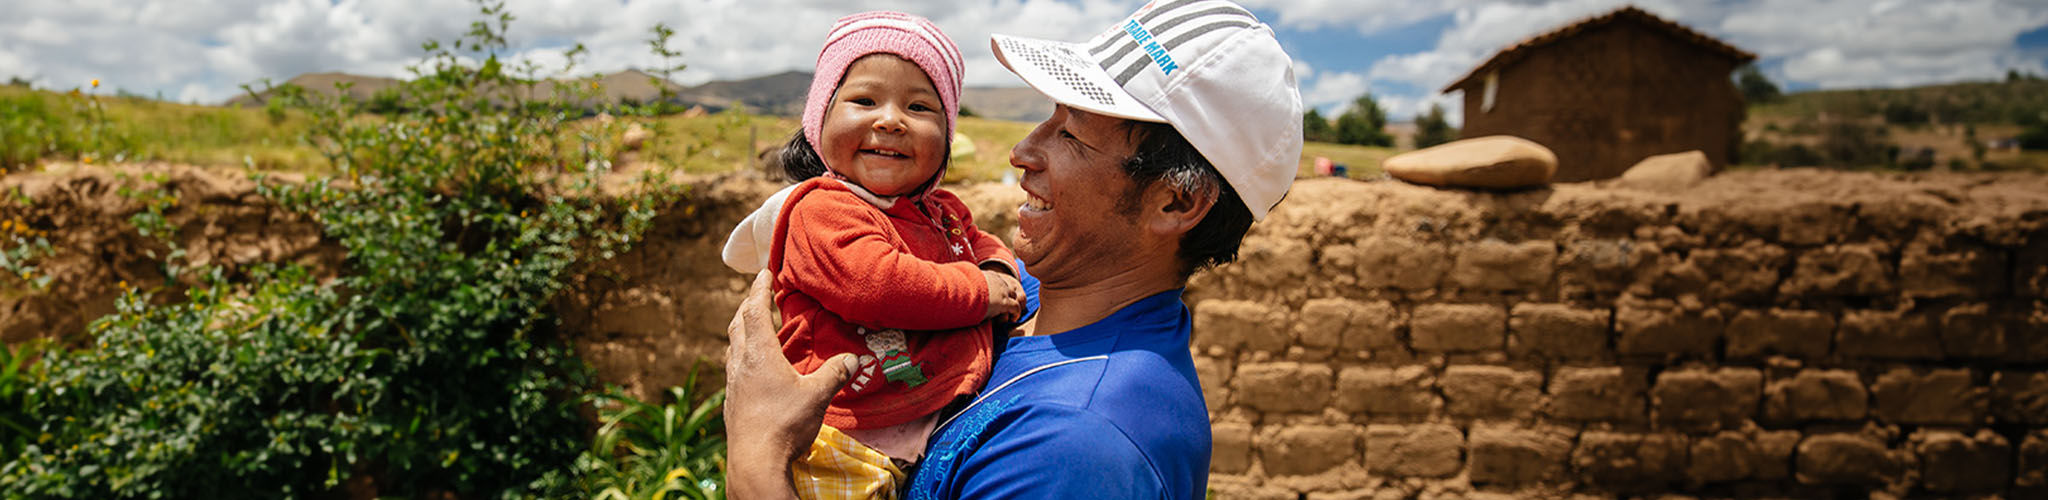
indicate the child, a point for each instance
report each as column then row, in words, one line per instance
column 871, row 257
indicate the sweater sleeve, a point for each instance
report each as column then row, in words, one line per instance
column 839, row 253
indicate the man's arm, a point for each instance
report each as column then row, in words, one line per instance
column 772, row 414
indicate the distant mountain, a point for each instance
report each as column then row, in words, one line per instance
column 360, row 87
column 780, row 94
column 1021, row 104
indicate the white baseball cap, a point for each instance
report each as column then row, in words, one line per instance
column 1207, row 67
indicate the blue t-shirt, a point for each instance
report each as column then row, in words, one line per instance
column 1108, row 410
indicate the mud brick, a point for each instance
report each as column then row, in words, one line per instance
column 1505, row 454
column 1401, row 263
column 1237, row 324
column 1458, row 327
column 1596, row 394
column 2029, row 334
column 1491, row 391
column 1630, row 461
column 2033, row 464
column 1844, row 458
column 2020, row 397
column 1951, row 462
column 1961, row 271
column 1661, row 328
column 1283, row 386
column 1737, row 456
column 1933, row 397
column 1887, row 335
column 1817, row 395
column 2030, row 268
column 1777, row 448
column 1835, row 271
column 1698, row 399
column 1799, row 334
column 1309, row 449
column 1271, row 261
column 1601, row 267
column 1231, row 448
column 1214, row 373
column 1424, row 450
column 1749, row 272
column 1350, row 324
column 1405, row 390
column 1493, row 264
column 1972, row 331
column 1557, row 331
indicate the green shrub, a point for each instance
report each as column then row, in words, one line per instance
column 646, row 450
column 429, row 366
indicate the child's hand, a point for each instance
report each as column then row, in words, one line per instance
column 1005, row 296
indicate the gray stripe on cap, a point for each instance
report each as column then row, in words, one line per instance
column 1191, row 34
column 1160, row 29
column 1124, row 78
column 1163, row 9
column 1105, row 44
column 1149, row 16
column 1131, row 44
column 1120, row 53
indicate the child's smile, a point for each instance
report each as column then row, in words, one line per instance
column 885, row 128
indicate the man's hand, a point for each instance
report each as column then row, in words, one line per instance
column 1005, row 296
column 772, row 414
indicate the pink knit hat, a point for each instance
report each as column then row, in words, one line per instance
column 911, row 37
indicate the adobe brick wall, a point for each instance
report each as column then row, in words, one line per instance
column 1765, row 334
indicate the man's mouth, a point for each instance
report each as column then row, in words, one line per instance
column 1033, row 203
column 885, row 152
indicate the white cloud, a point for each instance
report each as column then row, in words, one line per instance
column 201, row 50
column 1855, row 43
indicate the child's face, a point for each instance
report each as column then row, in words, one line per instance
column 886, row 128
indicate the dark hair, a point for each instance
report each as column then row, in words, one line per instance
column 797, row 161
column 1164, row 155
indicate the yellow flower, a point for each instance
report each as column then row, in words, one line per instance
column 87, row 159
column 95, row 83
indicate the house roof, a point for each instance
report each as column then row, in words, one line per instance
column 1630, row 13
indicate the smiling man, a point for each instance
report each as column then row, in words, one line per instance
column 1175, row 129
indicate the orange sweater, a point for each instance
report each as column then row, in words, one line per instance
column 880, row 278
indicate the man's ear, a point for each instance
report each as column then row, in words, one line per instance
column 1171, row 210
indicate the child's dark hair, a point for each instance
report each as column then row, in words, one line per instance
column 800, row 162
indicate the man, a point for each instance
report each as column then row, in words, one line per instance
column 1174, row 130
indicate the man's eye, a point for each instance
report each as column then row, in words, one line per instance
column 1064, row 134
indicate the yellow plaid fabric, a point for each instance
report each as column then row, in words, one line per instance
column 839, row 467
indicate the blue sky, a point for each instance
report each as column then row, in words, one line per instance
column 1402, row 51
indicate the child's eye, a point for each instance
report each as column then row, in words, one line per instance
column 920, row 107
column 862, row 101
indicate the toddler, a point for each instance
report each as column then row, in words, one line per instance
column 871, row 257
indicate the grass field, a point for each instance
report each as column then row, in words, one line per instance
column 37, row 125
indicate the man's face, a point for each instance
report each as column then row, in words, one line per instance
column 1072, row 226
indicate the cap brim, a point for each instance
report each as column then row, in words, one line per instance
column 1062, row 72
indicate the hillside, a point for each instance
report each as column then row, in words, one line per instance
column 779, row 94
column 1959, row 126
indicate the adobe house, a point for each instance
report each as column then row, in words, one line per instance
column 1608, row 91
